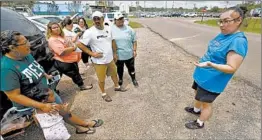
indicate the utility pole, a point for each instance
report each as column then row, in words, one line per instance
column 144, row 6
column 173, row 6
column 166, row 5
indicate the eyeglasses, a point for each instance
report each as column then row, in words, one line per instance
column 225, row 22
column 96, row 18
column 25, row 43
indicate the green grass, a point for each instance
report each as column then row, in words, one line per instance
column 253, row 24
column 131, row 24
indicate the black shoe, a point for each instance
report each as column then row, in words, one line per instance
column 121, row 89
column 120, row 82
column 83, row 87
column 191, row 110
column 135, row 83
column 107, row 98
column 193, row 125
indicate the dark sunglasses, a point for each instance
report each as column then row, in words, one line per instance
column 96, row 18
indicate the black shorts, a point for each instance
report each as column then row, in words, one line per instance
column 203, row 95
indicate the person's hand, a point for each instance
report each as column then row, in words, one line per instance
column 115, row 57
column 203, row 64
column 48, row 76
column 134, row 53
column 79, row 33
column 97, row 55
column 51, row 96
column 48, row 108
column 62, row 108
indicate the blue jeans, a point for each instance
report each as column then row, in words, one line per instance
column 58, row 100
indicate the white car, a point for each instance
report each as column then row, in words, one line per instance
column 192, row 15
column 109, row 18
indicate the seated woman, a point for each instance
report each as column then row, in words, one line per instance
column 25, row 83
column 66, row 57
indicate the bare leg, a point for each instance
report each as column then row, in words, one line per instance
column 206, row 111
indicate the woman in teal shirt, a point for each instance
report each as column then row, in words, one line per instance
column 125, row 38
column 224, row 56
column 24, row 82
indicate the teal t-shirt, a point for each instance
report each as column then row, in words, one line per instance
column 124, row 37
column 26, row 74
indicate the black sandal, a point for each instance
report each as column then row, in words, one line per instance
column 89, row 131
column 98, row 123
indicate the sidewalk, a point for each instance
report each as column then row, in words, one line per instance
column 155, row 110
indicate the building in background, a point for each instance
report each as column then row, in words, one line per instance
column 68, row 8
column 124, row 8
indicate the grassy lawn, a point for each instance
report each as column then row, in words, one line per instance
column 253, row 25
column 131, row 24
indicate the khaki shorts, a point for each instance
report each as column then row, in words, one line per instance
column 103, row 70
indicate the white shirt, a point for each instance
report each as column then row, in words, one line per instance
column 69, row 35
column 99, row 41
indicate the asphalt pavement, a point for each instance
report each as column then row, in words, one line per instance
column 194, row 39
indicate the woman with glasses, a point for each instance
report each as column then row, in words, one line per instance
column 65, row 55
column 24, row 81
column 125, row 38
column 214, row 70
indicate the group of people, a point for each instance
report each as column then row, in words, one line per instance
column 110, row 48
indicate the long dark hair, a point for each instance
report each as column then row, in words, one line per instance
column 66, row 21
column 86, row 26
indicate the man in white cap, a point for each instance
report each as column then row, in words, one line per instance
column 103, row 53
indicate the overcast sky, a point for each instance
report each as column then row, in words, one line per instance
column 177, row 4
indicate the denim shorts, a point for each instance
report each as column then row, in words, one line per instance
column 58, row 100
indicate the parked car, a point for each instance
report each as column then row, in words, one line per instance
column 109, row 18
column 23, row 10
column 185, row 15
column 11, row 20
column 192, row 15
column 215, row 15
column 176, row 14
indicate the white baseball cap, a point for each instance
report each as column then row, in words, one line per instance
column 118, row 15
column 97, row 14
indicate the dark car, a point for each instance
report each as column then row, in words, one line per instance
column 11, row 20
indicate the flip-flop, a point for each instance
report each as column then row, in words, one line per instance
column 89, row 131
column 98, row 123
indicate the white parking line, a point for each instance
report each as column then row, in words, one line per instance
column 176, row 39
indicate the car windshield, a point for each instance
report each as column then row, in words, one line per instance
column 110, row 15
column 42, row 20
column 11, row 20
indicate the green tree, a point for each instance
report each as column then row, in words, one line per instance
column 215, row 9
